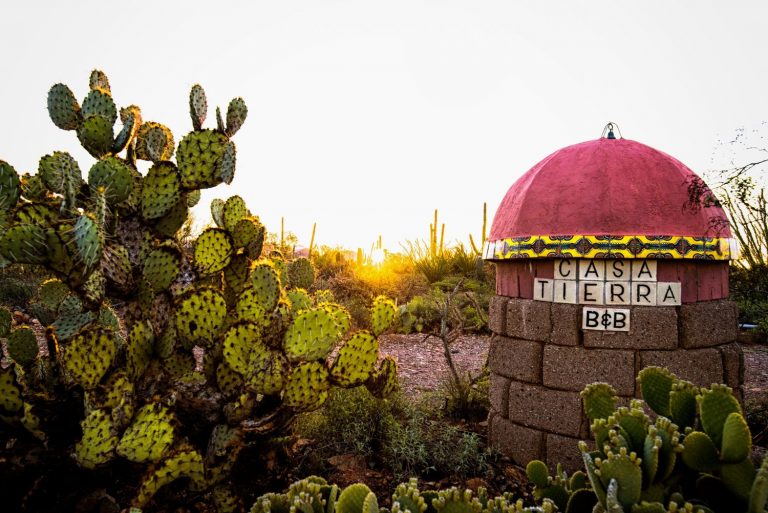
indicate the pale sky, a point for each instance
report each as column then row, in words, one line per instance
column 366, row 116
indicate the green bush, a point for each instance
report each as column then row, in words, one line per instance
column 393, row 434
column 749, row 288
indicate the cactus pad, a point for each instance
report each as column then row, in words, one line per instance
column 599, row 400
column 265, row 285
column 656, row 384
column 36, row 213
column 230, row 382
column 10, row 186
column 200, row 316
column 233, row 211
column 737, row 439
column 88, row 239
column 225, row 170
column 301, row 274
column 356, row 360
column 99, row 441
column 537, row 473
column 99, row 103
column 198, row 157
column 160, row 190
column 383, row 315
column 213, row 251
column 154, row 142
column 239, row 343
column 236, row 114
column 10, row 394
column 383, row 382
column 625, row 469
column 138, row 351
column 161, row 267
column 715, row 404
column 454, row 500
column 311, row 336
column 89, row 355
column 96, row 136
column 267, row 372
column 185, row 462
column 307, row 387
column 63, row 107
column 247, row 233
column 22, row 346
column 114, row 176
column 700, row 453
column 170, row 223
column 60, row 173
column 682, row 403
column 758, row 497
column 150, row 434
column 198, row 106
column 217, row 211
column 352, row 498
column 237, row 272
column 25, row 244
column 300, row 300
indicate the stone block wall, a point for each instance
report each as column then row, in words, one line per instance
column 540, row 360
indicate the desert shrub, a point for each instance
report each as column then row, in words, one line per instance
column 469, row 398
column 749, row 288
column 406, row 438
column 422, row 314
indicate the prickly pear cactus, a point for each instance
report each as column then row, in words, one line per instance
column 212, row 323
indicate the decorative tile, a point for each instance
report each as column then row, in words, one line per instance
column 566, row 291
column 543, row 289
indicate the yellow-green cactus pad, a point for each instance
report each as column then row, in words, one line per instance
column 179, row 364
column 96, row 135
column 198, row 106
column 88, row 356
column 249, row 308
column 185, row 462
column 383, row 315
column 200, row 316
column 599, row 400
column 22, row 346
column 60, row 172
column 89, row 240
column 99, row 440
column 239, row 342
column 10, row 186
column 199, row 155
column 131, row 118
column 32, row 187
column 301, row 273
column 234, row 210
column 154, row 142
column 715, row 404
column 161, row 267
column 138, row 351
column 383, row 382
column 52, row 292
column 170, row 223
column 63, row 107
column 311, row 335
column 10, row 393
column 700, row 453
column 166, row 342
column 307, row 387
column 94, row 287
column 98, row 81
column 265, row 284
column 99, row 103
column 24, row 244
column 625, row 469
column 213, row 251
column 267, row 372
column 160, row 190
column 237, row 272
column 114, row 176
column 217, row 211
column 356, row 360
column 340, row 315
column 248, row 233
column 36, row 213
column 230, row 382
column 656, row 384
column 737, row 439
column 31, row 422
column 68, row 325
column 300, row 300
column 150, row 434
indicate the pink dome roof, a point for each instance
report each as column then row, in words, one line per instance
column 605, row 187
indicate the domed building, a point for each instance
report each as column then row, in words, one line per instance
column 610, row 257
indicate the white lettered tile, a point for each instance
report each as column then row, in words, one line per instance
column 619, row 319
column 565, row 291
column 566, row 269
column 618, row 270
column 592, row 270
column 643, row 270
column 543, row 289
column 618, row 293
column 591, row 292
column 643, row 293
column 592, row 318
column 668, row 293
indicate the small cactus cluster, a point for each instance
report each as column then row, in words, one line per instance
column 219, row 322
column 315, row 495
column 694, row 456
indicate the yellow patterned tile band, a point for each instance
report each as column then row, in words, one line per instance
column 612, row 246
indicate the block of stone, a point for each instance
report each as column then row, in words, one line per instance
column 733, row 364
column 708, row 323
column 650, row 328
column 700, row 366
column 515, row 358
column 528, row 319
column 573, row 368
column 497, row 314
column 566, row 324
column 538, row 407
column 565, row 451
column 498, row 394
column 520, row 443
